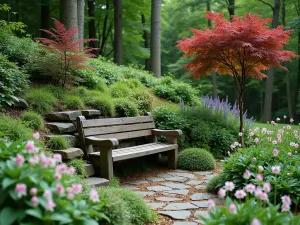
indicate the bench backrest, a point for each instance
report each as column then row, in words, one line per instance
column 119, row 128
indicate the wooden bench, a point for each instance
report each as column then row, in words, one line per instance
column 106, row 134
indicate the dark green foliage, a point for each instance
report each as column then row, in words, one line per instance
column 12, row 81
column 119, row 90
column 115, row 182
column 58, row 143
column 33, row 120
column 40, row 100
column 80, row 91
column 133, row 83
column 126, row 108
column 14, row 129
column 73, row 102
column 103, row 103
column 102, row 87
column 196, row 159
column 57, row 91
column 213, row 184
column 138, row 210
column 78, row 165
column 143, row 100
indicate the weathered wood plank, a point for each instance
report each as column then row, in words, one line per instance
column 127, row 135
column 116, row 121
column 117, row 129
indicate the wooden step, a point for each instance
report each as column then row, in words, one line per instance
column 96, row 181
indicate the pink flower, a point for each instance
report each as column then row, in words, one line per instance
column 276, row 169
column 211, row 205
column 60, row 189
column 267, row 187
column 257, row 191
column 57, row 157
column 285, row 208
column 62, row 168
column 269, row 139
column 263, row 196
column 77, row 188
column 70, row 196
column 256, row 140
column 251, row 134
column 36, row 135
column 44, row 160
column 34, row 201
column 247, row 174
column 286, row 200
column 19, row 160
column 279, row 136
column 250, row 188
column 30, row 146
column 284, row 116
column 278, row 119
column 50, row 205
column 47, row 194
column 34, row 160
column 33, row 191
column 260, row 168
column 241, row 134
column 274, row 142
column 51, row 162
column 94, row 197
column 291, row 120
column 281, row 131
column 21, row 190
column 232, row 208
column 275, row 152
column 259, row 177
column 58, row 176
column 240, row 194
column 222, row 193
column 254, row 159
column 290, row 154
column 255, row 222
column 69, row 189
column 71, row 170
column 229, row 186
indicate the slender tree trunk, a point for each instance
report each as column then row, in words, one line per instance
column 80, row 18
column 118, row 32
column 105, row 32
column 295, row 100
column 267, row 114
column 92, row 24
column 155, row 57
column 145, row 37
column 68, row 14
column 45, row 17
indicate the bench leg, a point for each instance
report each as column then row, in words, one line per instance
column 172, row 159
column 106, row 165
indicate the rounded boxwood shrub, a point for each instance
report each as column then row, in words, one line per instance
column 74, row 102
column 32, row 120
column 119, row 90
column 213, row 184
column 126, row 108
column 143, row 100
column 196, row 159
column 41, row 100
column 103, row 103
column 57, row 143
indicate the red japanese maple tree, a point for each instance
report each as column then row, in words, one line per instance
column 65, row 54
column 241, row 48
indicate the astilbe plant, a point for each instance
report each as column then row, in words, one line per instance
column 39, row 189
column 64, row 53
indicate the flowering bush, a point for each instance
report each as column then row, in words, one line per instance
column 39, row 189
column 273, row 156
column 255, row 210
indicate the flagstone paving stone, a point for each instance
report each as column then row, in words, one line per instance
column 176, row 185
column 180, row 206
column 137, row 182
column 179, row 215
column 177, row 179
column 194, row 182
column 188, row 175
column 179, row 192
column 155, row 179
column 168, row 199
column 156, row 205
column 201, row 196
column 159, row 188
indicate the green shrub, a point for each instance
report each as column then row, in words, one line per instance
column 126, row 108
column 143, row 100
column 115, row 208
column 115, row 182
column 33, row 120
column 81, row 92
column 14, row 129
column 103, row 103
column 73, row 102
column 78, row 165
column 12, row 81
column 40, row 100
column 119, row 90
column 213, row 184
column 57, row 91
column 139, row 212
column 133, row 83
column 196, row 159
column 57, row 143
column 102, row 87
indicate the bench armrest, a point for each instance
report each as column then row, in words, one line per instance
column 174, row 133
column 109, row 142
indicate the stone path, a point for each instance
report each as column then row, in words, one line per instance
column 177, row 194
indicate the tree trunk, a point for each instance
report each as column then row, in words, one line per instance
column 80, row 18
column 155, row 60
column 68, row 14
column 104, row 36
column 92, row 24
column 118, row 32
column 231, row 8
column 45, row 17
column 267, row 114
column 295, row 102
column 145, row 37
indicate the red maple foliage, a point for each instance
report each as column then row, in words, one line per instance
column 241, row 48
column 65, row 54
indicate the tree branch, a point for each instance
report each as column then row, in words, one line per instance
column 267, row 4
